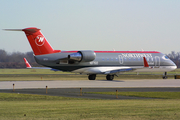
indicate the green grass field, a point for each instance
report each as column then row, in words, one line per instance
column 45, row 74
column 166, row 106
column 37, row 107
column 47, row 71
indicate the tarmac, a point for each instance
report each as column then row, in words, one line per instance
column 83, row 93
column 71, row 88
column 91, row 84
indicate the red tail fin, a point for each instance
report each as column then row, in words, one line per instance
column 38, row 42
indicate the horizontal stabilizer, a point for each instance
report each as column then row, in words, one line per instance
column 13, row 29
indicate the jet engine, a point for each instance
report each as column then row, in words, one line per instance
column 82, row 56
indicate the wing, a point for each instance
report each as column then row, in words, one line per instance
column 119, row 70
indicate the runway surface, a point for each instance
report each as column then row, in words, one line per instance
column 72, row 88
column 91, row 84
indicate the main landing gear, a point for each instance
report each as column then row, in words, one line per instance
column 165, row 75
column 110, row 77
column 93, row 77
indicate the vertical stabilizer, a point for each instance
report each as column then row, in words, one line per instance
column 38, row 42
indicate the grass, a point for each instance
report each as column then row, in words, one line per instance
column 45, row 74
column 25, row 107
column 38, row 107
column 32, row 107
column 47, row 71
column 31, row 71
column 26, row 77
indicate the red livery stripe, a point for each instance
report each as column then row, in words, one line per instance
column 126, row 52
column 118, row 51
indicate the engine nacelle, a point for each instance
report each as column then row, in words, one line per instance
column 75, row 57
column 82, row 56
column 87, row 55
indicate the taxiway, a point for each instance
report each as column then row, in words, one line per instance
column 91, row 84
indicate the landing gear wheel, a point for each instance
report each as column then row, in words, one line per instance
column 110, row 77
column 92, row 77
column 165, row 77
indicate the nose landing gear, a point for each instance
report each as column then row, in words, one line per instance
column 165, row 75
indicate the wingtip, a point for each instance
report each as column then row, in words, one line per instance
column 27, row 63
column 145, row 62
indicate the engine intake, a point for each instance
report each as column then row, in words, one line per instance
column 82, row 56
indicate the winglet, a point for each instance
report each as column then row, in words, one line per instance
column 145, row 62
column 27, row 63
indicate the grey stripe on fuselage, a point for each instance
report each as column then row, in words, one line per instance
column 104, row 59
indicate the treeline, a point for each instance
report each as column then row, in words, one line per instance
column 175, row 57
column 15, row 59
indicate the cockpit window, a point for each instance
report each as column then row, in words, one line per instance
column 165, row 57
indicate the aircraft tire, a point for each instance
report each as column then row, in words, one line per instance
column 92, row 77
column 110, row 77
column 165, row 77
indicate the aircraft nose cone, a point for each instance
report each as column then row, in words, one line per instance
column 174, row 65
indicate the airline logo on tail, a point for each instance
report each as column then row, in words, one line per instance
column 39, row 40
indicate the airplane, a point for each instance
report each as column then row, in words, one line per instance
column 109, row 63
column 29, row 66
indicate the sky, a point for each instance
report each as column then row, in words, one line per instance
column 121, row 25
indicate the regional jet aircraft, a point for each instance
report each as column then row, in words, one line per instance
column 109, row 63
